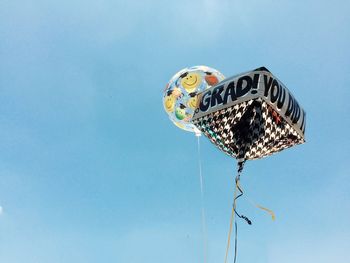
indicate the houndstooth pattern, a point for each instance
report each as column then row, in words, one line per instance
column 248, row 130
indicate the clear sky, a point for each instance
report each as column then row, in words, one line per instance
column 92, row 170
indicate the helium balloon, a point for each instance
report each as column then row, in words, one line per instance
column 250, row 116
column 180, row 95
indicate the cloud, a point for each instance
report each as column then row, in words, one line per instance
column 1, row 210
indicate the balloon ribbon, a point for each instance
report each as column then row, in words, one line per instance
column 234, row 212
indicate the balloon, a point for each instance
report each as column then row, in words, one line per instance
column 250, row 116
column 180, row 95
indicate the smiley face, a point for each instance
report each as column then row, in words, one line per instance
column 176, row 92
column 180, row 113
column 169, row 103
column 191, row 81
column 192, row 102
column 211, row 80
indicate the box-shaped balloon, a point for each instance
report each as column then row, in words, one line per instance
column 250, row 115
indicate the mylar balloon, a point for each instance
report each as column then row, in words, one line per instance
column 180, row 95
column 250, row 115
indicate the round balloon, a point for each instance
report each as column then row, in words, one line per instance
column 180, row 94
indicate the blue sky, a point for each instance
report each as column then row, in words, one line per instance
column 92, row 170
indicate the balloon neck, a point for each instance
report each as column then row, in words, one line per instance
column 197, row 132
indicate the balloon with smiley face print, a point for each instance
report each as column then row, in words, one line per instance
column 180, row 94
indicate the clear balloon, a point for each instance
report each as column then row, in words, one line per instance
column 180, row 94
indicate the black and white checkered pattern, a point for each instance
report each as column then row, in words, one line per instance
column 248, row 130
